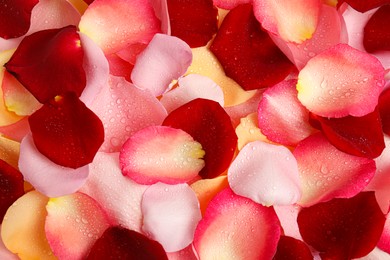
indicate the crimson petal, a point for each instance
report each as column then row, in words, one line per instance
column 247, row 53
column 195, row 22
column 364, row 5
column 208, row 123
column 291, row 248
column 384, row 110
column 343, row 228
column 121, row 243
column 50, row 62
column 360, row 136
column 66, row 131
column 15, row 17
column 376, row 32
column 11, row 187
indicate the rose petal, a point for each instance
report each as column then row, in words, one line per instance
column 9, row 151
column 247, row 53
column 230, row 4
column 364, row 6
column 161, row 10
column 326, row 172
column 123, row 243
column 119, row 196
column 171, row 213
column 47, row 177
column 282, row 118
column 293, row 21
column 228, row 223
column 186, row 253
column 5, row 253
column 16, row 131
column 161, row 154
column 23, row 230
column 287, row 216
column 265, row 173
column 384, row 241
column 116, row 24
column 291, row 248
column 124, row 109
column 119, row 67
column 376, row 33
column 165, row 58
column 207, row 122
column 384, row 110
column 338, row 81
column 248, row 131
column 73, row 224
column 334, row 229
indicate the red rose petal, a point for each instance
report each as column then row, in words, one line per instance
column 195, row 22
column 11, row 187
column 291, row 248
column 384, row 242
column 364, row 5
column 384, row 110
column 66, row 131
column 121, row 243
column 15, row 17
column 376, row 32
column 343, row 228
column 49, row 63
column 247, row 53
column 360, row 136
column 207, row 122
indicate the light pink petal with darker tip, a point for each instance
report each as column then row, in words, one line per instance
column 229, row 4
column 116, row 24
column 96, row 69
column 281, row 117
column 293, row 21
column 288, row 220
column 166, row 58
column 265, row 173
column 326, row 173
column 161, row 154
column 161, row 11
column 73, row 224
column 341, row 81
column 191, row 87
column 235, row 227
column 47, row 177
column 124, row 109
column 119, row 196
column 186, row 253
column 170, row 215
column 322, row 39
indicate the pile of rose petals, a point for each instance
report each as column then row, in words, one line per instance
column 175, row 129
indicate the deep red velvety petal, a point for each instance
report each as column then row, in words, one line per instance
column 376, row 32
column 360, row 136
column 247, row 53
column 384, row 110
column 50, row 62
column 121, row 243
column 15, row 17
column 195, row 22
column 343, row 228
column 364, row 5
column 66, row 131
column 291, row 248
column 11, row 187
column 208, row 123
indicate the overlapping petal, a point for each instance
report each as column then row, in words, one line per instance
column 230, row 4
column 9, row 151
column 376, row 33
column 291, row 248
column 364, row 6
column 248, row 131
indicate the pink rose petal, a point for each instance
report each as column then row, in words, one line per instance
column 161, row 11
column 161, row 154
column 165, row 58
column 171, row 213
column 384, row 241
column 281, row 116
column 119, row 196
column 191, row 87
column 73, row 224
column 47, row 177
column 230, row 4
column 265, row 173
column 235, row 227
column 287, row 216
column 326, row 173
column 294, row 21
column 338, row 81
column 124, row 109
column 16, row 131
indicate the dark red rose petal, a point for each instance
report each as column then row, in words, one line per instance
column 364, row 5
column 193, row 21
column 66, row 131
column 377, row 31
column 15, row 17
column 343, row 228
column 208, row 123
column 121, row 243
column 384, row 110
column 49, row 63
column 247, row 53
column 360, row 136
column 291, row 248
column 11, row 187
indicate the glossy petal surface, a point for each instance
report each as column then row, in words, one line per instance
column 376, row 31
column 291, row 248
